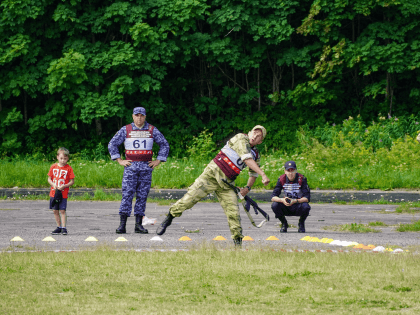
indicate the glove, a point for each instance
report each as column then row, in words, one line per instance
column 58, row 196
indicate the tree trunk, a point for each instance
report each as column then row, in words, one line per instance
column 277, row 74
column 98, row 123
column 25, row 107
column 390, row 101
column 228, row 78
column 389, row 92
column 98, row 120
column 389, row 88
column 259, row 94
column 209, row 84
column 293, row 77
column 201, row 77
column 98, row 126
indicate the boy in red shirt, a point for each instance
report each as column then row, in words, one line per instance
column 60, row 177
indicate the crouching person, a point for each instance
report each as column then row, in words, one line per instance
column 296, row 197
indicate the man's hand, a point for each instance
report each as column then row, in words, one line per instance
column 265, row 180
column 284, row 201
column 124, row 162
column 244, row 191
column 153, row 164
column 288, row 201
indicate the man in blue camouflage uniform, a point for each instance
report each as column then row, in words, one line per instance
column 138, row 138
column 296, row 197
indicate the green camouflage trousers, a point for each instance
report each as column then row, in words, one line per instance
column 208, row 182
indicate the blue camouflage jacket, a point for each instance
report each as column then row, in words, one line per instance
column 120, row 136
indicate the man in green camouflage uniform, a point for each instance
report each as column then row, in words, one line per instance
column 238, row 153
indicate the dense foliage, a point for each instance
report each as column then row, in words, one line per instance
column 71, row 71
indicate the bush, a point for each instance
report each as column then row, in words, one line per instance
column 203, row 147
column 354, row 131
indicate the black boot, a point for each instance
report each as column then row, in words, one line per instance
column 237, row 242
column 284, row 224
column 301, row 224
column 139, row 227
column 167, row 222
column 123, row 222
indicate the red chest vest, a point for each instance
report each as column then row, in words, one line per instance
column 139, row 144
column 230, row 162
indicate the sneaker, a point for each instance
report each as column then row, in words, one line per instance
column 56, row 231
column 64, row 231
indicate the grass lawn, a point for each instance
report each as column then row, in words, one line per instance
column 208, row 281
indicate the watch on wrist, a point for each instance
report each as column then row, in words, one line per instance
column 249, row 188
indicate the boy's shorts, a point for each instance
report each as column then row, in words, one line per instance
column 61, row 206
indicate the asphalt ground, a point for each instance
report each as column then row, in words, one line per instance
column 33, row 222
column 324, row 196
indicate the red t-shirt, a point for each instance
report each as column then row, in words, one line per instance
column 60, row 176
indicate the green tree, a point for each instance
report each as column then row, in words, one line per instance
column 71, row 71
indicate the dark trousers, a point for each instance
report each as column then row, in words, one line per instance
column 298, row 209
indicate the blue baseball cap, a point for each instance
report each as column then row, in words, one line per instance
column 139, row 110
column 290, row 164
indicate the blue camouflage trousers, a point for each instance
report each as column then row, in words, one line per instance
column 137, row 179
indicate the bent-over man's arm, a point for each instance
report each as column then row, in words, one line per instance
column 254, row 166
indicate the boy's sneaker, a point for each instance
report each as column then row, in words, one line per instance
column 64, row 231
column 56, row 231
